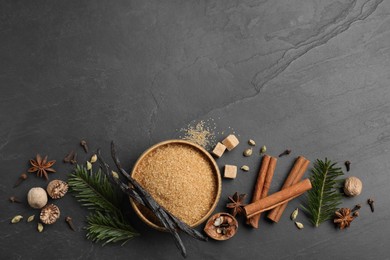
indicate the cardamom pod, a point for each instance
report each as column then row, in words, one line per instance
column 40, row 227
column 93, row 158
column 16, row 219
column 251, row 142
column 294, row 214
column 263, row 149
column 245, row 168
column 115, row 175
column 299, row 225
column 89, row 165
column 248, row 152
column 30, row 218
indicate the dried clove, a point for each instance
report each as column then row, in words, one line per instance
column 21, row 178
column 74, row 159
column 371, row 203
column 286, row 152
column 69, row 157
column 356, row 214
column 347, row 165
column 70, row 223
column 83, row 143
column 357, row 207
column 13, row 199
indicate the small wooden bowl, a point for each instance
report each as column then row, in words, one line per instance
column 146, row 215
column 211, row 230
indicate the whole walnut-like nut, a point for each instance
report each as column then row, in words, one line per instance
column 57, row 189
column 352, row 186
column 37, row 197
column 49, row 214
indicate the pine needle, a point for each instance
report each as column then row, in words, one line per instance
column 94, row 191
column 325, row 196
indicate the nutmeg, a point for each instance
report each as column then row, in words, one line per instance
column 352, row 186
column 37, row 197
column 49, row 214
column 57, row 189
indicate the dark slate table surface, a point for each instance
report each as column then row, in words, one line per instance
column 312, row 76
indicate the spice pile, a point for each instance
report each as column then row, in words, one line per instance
column 177, row 187
column 276, row 203
column 323, row 191
column 38, row 197
column 109, row 228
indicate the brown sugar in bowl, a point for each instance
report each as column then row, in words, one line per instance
column 182, row 177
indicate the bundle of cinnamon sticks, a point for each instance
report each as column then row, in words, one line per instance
column 277, row 202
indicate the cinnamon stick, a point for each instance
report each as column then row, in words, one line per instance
column 294, row 177
column 258, row 189
column 277, row 198
column 262, row 185
column 268, row 177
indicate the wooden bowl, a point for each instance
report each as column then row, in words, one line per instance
column 211, row 229
column 145, row 214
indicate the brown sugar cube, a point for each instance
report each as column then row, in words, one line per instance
column 230, row 171
column 230, row 142
column 219, row 149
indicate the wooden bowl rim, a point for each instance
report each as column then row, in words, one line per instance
column 215, row 170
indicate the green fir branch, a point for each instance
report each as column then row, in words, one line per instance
column 94, row 191
column 103, row 227
column 325, row 196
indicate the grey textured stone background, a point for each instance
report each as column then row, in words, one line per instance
column 312, row 76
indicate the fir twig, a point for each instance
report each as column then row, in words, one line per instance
column 94, row 191
column 104, row 227
column 324, row 197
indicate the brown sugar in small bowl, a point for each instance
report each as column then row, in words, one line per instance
column 182, row 177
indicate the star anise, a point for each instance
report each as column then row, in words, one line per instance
column 343, row 218
column 41, row 166
column 236, row 203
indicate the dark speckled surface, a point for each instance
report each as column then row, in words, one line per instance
column 312, row 76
